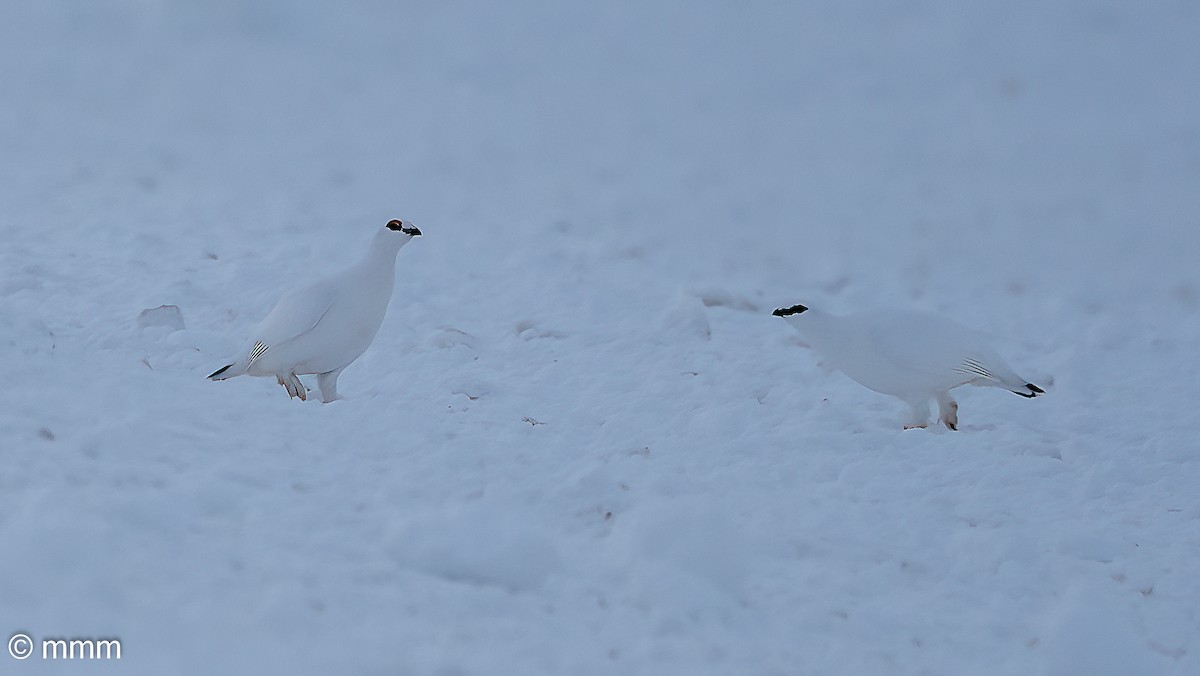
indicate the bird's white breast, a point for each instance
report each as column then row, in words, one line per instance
column 349, row 308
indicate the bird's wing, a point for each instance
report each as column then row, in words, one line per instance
column 294, row 315
column 934, row 348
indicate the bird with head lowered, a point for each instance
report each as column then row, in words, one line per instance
column 914, row 356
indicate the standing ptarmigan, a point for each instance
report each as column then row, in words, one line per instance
column 323, row 327
column 911, row 355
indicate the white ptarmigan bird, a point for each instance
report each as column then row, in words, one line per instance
column 323, row 327
column 911, row 355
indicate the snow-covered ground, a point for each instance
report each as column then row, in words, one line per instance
column 581, row 444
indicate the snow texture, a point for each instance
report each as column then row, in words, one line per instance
column 580, row 443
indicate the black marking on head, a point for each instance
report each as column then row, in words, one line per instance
column 406, row 228
column 788, row 311
column 219, row 371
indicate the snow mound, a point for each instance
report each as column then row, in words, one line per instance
column 478, row 545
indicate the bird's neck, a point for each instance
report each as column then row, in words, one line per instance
column 815, row 326
column 383, row 250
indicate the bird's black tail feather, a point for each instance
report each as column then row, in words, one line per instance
column 1034, row 391
column 219, row 371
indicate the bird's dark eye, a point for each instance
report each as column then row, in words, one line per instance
column 395, row 225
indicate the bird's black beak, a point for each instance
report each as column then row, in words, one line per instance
column 411, row 232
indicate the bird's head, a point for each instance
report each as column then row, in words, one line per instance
column 404, row 228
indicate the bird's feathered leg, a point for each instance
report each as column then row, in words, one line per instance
column 328, row 384
column 947, row 410
column 287, row 385
column 298, row 386
column 920, row 413
column 294, row 387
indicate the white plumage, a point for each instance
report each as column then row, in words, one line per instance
column 911, row 355
column 323, row 327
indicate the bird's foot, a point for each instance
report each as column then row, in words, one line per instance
column 949, row 417
column 947, row 411
column 301, row 390
column 294, row 387
column 287, row 385
column 916, row 427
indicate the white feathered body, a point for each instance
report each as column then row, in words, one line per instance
column 904, row 354
column 915, row 356
column 323, row 327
